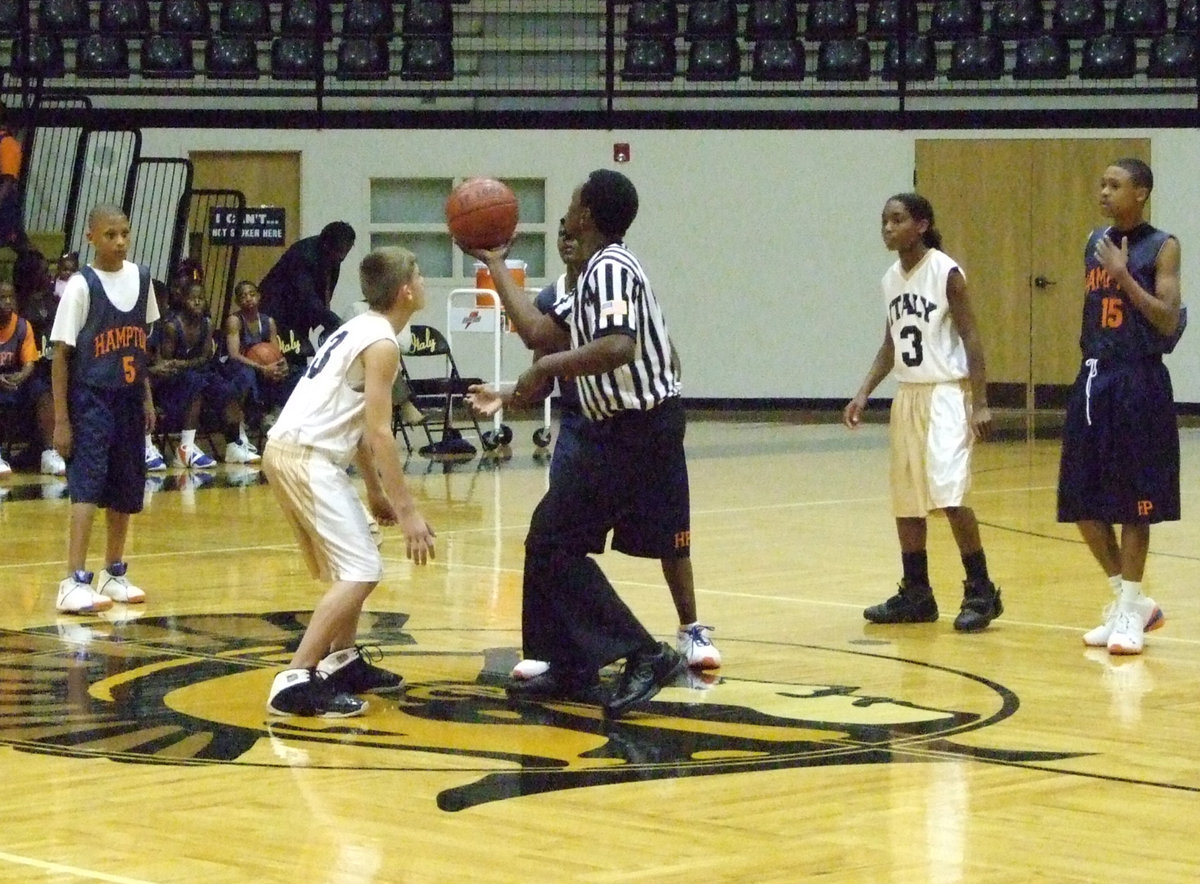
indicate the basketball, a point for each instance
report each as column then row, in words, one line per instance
column 481, row 213
column 263, row 353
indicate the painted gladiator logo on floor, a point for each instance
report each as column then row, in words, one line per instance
column 191, row 690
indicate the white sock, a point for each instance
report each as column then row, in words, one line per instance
column 149, row 442
column 1131, row 591
column 242, row 440
column 188, row 438
column 1115, row 582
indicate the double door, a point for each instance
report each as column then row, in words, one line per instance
column 1015, row 213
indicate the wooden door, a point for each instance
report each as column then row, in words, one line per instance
column 266, row 178
column 1016, row 213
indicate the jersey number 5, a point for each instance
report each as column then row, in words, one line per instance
column 915, row 353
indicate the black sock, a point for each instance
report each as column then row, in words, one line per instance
column 916, row 568
column 976, row 565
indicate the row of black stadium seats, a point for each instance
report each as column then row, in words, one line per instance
column 1045, row 57
column 948, row 19
column 359, row 18
column 234, row 57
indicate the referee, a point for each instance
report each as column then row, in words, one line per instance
column 628, row 470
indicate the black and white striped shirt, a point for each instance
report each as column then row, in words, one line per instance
column 613, row 296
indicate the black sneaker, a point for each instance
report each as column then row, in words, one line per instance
column 554, row 684
column 306, row 692
column 645, row 674
column 981, row 605
column 912, row 603
column 352, row 671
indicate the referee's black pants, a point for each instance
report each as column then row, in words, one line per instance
column 571, row 616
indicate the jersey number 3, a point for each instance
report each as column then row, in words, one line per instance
column 914, row 355
column 322, row 357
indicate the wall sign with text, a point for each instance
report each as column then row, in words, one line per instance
column 261, row 226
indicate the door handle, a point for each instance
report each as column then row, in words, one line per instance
column 1042, row 282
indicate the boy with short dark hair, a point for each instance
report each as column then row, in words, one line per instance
column 102, row 407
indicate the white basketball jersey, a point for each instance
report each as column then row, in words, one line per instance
column 325, row 411
column 929, row 349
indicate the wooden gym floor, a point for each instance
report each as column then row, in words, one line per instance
column 136, row 748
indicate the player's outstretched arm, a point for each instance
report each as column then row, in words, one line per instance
column 380, row 361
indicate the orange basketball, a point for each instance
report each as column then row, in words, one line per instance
column 264, row 353
column 481, row 213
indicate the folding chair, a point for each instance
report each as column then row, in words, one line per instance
column 445, row 391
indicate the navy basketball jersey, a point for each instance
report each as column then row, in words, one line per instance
column 1112, row 327
column 198, row 347
column 110, row 351
column 248, row 337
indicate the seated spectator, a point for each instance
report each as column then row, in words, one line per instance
column 188, row 381
column 270, row 385
column 24, row 394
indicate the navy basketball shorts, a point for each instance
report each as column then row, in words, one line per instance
column 1120, row 450
column 107, row 466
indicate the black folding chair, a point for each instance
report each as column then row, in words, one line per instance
column 431, row 392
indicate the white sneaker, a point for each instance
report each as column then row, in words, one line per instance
column 191, row 457
column 75, row 595
column 114, row 585
column 528, row 669
column 1152, row 618
column 53, row 464
column 1128, row 636
column 5, row 469
column 236, row 452
column 154, row 459
column 695, row 646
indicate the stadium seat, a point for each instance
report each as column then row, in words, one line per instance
column 649, row 58
column 363, row 58
column 42, row 56
column 777, row 59
column 249, row 17
column 231, row 57
column 1140, row 18
column 167, row 56
column 1187, row 21
column 124, row 18
column 976, row 58
column 428, row 18
column 295, row 58
column 1046, row 57
column 920, row 61
column 831, row 20
column 184, row 18
column 12, row 17
column 955, row 19
column 102, row 55
column 305, row 18
column 1173, row 56
column 714, row 59
column 709, row 18
column 651, row 20
column 1077, row 19
column 771, row 20
column 1108, row 57
column 844, row 60
column 368, row 18
column 884, row 17
column 1018, row 19
column 67, row 18
column 427, row 58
